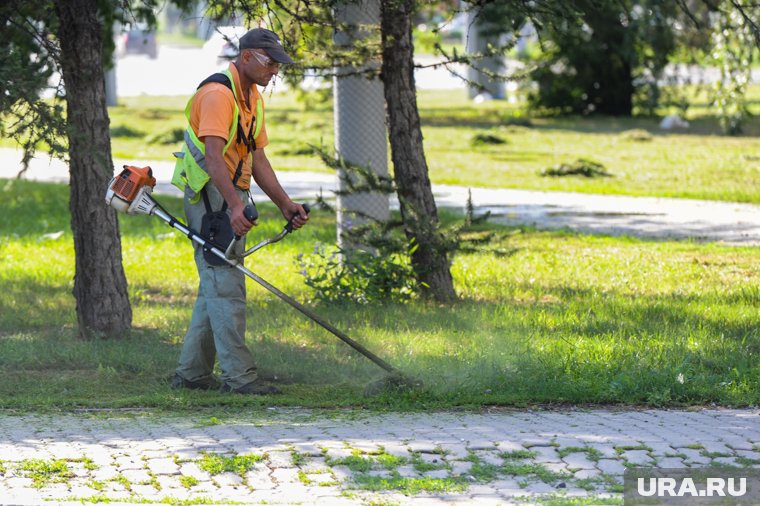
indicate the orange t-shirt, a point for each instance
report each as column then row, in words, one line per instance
column 212, row 112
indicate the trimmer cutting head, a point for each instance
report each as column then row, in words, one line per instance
column 129, row 192
column 392, row 383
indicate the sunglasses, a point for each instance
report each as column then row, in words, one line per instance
column 265, row 60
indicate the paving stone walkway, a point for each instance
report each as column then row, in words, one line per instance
column 297, row 456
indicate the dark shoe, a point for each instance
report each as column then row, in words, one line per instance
column 208, row 384
column 257, row 387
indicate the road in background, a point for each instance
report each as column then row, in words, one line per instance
column 177, row 71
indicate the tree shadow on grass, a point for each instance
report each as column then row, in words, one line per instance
column 28, row 306
column 565, row 344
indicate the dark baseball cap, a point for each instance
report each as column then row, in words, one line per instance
column 261, row 38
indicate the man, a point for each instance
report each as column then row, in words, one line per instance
column 224, row 148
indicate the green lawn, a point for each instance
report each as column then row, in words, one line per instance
column 696, row 163
column 554, row 318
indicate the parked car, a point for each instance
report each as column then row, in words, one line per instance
column 223, row 43
column 138, row 39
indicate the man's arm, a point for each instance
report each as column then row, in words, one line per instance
column 220, row 176
column 267, row 181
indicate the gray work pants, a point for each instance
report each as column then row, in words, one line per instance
column 218, row 322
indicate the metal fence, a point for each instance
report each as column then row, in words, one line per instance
column 360, row 129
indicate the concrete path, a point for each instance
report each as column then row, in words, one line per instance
column 648, row 217
column 296, row 456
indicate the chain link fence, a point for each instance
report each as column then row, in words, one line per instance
column 360, row 130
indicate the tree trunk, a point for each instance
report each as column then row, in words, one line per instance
column 100, row 286
column 418, row 208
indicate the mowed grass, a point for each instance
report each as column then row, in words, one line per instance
column 552, row 318
column 696, row 163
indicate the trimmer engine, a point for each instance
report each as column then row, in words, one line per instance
column 129, row 192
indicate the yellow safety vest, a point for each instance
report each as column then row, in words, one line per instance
column 190, row 170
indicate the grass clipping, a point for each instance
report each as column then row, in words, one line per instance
column 580, row 167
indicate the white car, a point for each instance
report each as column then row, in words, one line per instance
column 223, row 43
column 138, row 39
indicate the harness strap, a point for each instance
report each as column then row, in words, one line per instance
column 248, row 140
column 207, row 203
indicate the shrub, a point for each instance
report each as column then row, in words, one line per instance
column 358, row 276
column 377, row 267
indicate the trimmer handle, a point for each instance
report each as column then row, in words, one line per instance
column 251, row 214
column 289, row 224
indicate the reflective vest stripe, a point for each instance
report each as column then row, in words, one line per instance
column 259, row 119
column 195, row 146
column 198, row 155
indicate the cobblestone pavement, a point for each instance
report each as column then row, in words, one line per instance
column 296, row 456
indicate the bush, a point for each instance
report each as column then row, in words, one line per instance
column 595, row 63
column 358, row 276
column 378, row 265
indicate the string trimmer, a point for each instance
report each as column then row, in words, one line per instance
column 130, row 193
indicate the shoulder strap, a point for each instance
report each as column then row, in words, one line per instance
column 207, row 203
column 225, row 79
column 247, row 140
column 220, row 78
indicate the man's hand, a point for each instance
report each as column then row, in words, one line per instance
column 296, row 212
column 240, row 224
column 219, row 174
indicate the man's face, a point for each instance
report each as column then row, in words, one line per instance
column 259, row 67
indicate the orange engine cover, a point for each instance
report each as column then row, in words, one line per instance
column 128, row 183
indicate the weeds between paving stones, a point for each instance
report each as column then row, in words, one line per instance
column 238, row 464
column 43, row 472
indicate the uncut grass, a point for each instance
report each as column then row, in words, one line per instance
column 559, row 318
